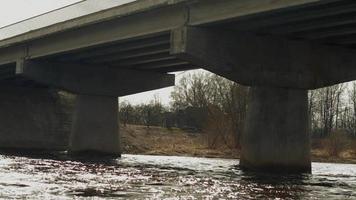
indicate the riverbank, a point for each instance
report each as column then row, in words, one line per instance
column 175, row 142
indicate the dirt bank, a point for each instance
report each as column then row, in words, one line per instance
column 161, row 141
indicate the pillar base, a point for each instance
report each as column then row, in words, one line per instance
column 95, row 126
column 276, row 135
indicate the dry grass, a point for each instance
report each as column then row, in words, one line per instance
column 339, row 149
column 162, row 141
column 336, row 144
column 175, row 142
column 353, row 145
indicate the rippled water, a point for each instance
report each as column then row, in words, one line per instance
column 163, row 177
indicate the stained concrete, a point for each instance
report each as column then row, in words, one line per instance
column 95, row 126
column 34, row 117
column 276, row 137
column 98, row 81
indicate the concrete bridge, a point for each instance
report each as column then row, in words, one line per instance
column 100, row 50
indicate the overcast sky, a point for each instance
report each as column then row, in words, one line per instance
column 12, row 11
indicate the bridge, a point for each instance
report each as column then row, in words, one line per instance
column 103, row 50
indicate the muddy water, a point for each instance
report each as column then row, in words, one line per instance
column 163, row 177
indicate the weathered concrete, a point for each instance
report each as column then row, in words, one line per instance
column 264, row 60
column 201, row 12
column 34, row 117
column 95, row 125
column 275, row 136
column 95, row 120
column 103, row 80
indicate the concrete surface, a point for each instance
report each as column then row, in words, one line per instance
column 95, row 126
column 34, row 118
column 276, row 136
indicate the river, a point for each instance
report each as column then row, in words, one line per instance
column 164, row 177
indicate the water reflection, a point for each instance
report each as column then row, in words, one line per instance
column 161, row 177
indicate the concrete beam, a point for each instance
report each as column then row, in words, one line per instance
column 101, row 34
column 264, row 60
column 212, row 11
column 11, row 54
column 109, row 32
column 136, row 20
column 104, row 81
column 201, row 12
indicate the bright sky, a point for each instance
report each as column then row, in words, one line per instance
column 12, row 11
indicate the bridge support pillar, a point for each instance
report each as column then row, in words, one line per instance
column 95, row 126
column 34, row 117
column 276, row 136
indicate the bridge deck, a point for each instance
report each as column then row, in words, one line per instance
column 137, row 35
column 70, row 12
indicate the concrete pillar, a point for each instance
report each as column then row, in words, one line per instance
column 276, row 136
column 34, row 117
column 95, row 126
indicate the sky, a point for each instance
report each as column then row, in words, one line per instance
column 12, row 11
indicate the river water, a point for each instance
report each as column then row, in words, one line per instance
column 164, row 177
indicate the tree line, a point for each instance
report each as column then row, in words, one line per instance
column 333, row 109
column 207, row 103
column 201, row 102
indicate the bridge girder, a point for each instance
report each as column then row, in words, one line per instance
column 89, row 80
column 264, row 60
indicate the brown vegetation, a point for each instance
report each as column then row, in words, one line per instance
column 219, row 131
column 336, row 143
column 175, row 142
column 338, row 147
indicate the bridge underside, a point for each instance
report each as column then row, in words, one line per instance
column 281, row 49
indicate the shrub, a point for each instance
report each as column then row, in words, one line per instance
column 219, row 130
column 336, row 143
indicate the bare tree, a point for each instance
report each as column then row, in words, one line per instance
column 326, row 107
column 352, row 113
column 224, row 100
